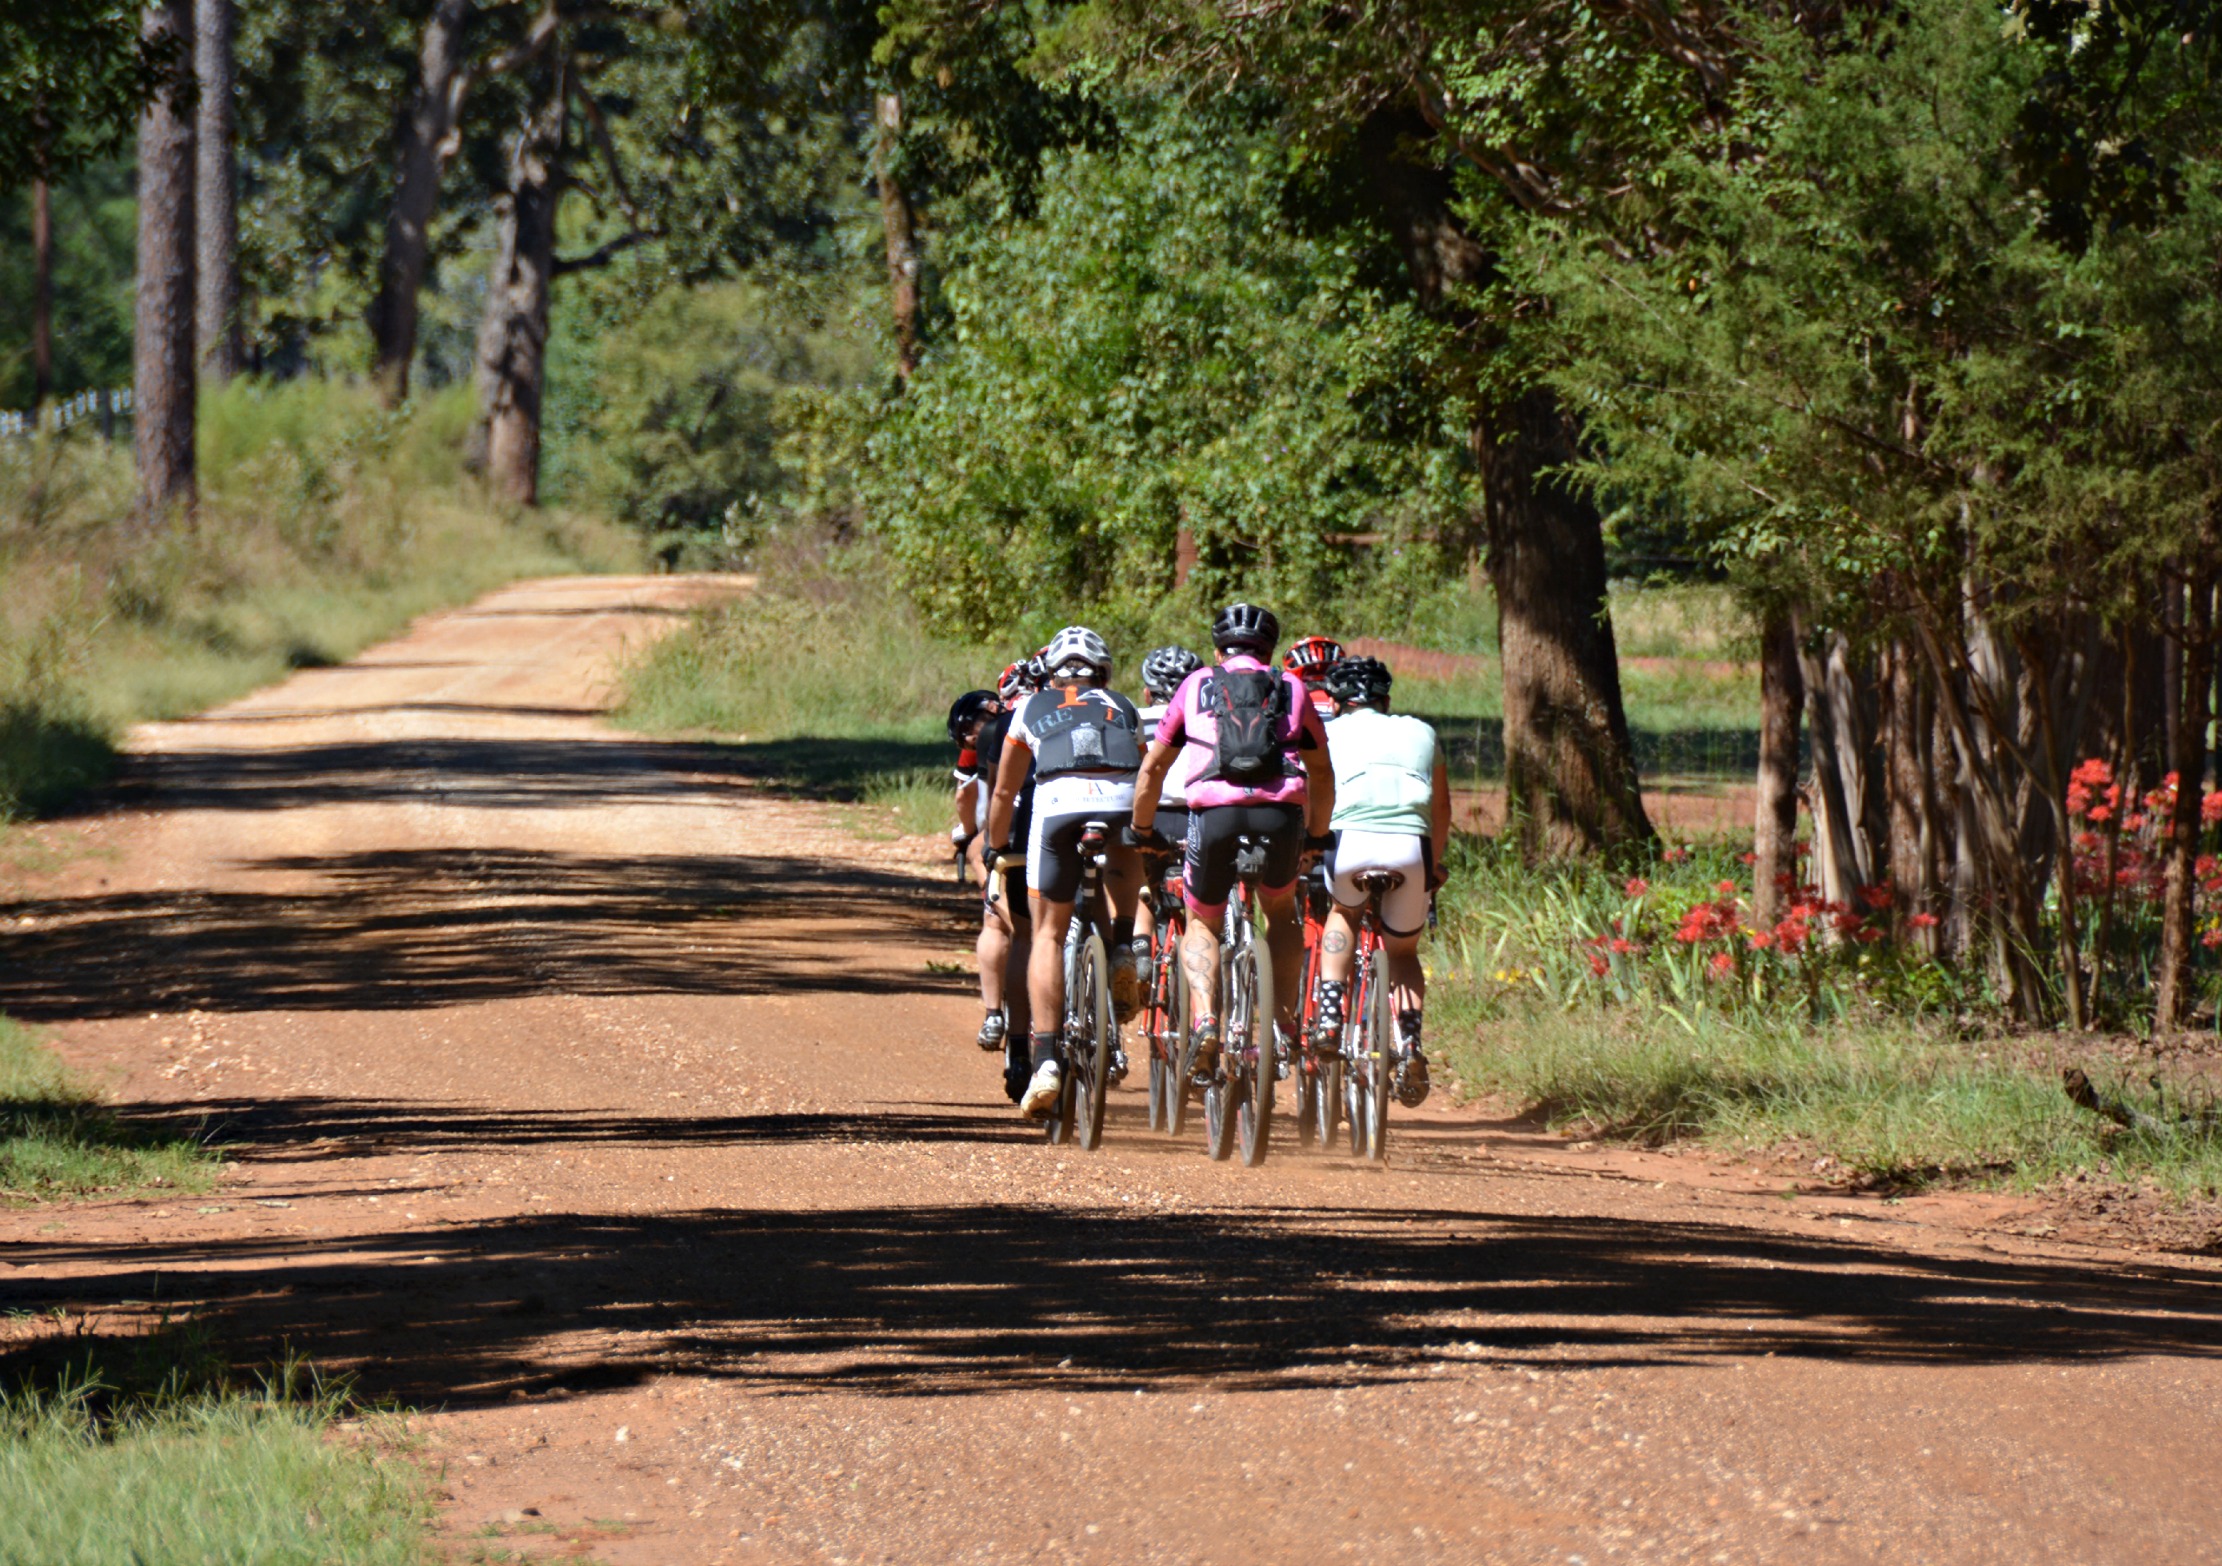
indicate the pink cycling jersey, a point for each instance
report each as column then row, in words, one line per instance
column 1186, row 723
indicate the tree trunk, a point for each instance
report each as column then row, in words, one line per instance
column 162, row 328
column 1844, row 802
column 421, row 148
column 2187, row 757
column 513, row 343
column 902, row 246
column 1781, row 706
column 216, row 201
column 1906, row 773
column 42, row 294
column 1570, row 772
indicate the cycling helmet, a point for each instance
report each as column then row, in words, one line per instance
column 1359, row 682
column 1077, row 651
column 1164, row 669
column 1309, row 657
column 967, row 710
column 1016, row 680
column 1245, row 626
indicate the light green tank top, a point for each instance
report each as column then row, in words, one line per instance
column 1384, row 772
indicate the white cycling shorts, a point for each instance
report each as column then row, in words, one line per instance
column 1052, row 865
column 1403, row 906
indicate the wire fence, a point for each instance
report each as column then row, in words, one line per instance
column 104, row 407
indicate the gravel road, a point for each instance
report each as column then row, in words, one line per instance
column 621, row 1115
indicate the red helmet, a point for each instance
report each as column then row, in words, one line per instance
column 1308, row 659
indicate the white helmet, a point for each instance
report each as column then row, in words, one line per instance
column 1077, row 652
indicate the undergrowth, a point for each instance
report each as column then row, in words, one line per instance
column 325, row 523
column 117, row 1453
column 58, row 1139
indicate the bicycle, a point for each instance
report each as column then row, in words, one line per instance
column 1366, row 1062
column 1165, row 1014
column 1238, row 1092
column 1319, row 1083
column 1090, row 1032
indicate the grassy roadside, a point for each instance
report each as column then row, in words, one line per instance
column 325, row 524
column 116, row 1453
column 58, row 1140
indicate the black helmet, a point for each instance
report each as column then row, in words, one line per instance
column 967, row 710
column 1164, row 669
column 1359, row 681
column 1246, row 626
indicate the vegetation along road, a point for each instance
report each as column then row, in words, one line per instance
column 622, row 1118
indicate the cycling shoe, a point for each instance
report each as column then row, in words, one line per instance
column 992, row 1029
column 1040, row 1098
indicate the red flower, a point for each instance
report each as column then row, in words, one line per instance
column 1675, row 855
column 1723, row 965
column 1870, row 935
column 1622, row 946
column 2210, row 808
column 1636, row 886
column 1878, row 896
column 1598, row 966
column 2101, row 813
column 1923, row 921
column 1762, row 939
column 2132, row 822
column 1749, row 859
column 2211, row 939
column 1725, row 888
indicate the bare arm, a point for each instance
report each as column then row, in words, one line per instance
column 968, row 801
column 1010, row 779
column 1319, row 788
column 1149, row 783
column 1438, row 827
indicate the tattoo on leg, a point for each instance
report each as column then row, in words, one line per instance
column 1200, row 963
column 1336, row 942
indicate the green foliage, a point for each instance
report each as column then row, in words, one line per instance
column 72, row 79
column 94, row 233
column 56, row 1138
column 1155, row 350
column 144, row 1452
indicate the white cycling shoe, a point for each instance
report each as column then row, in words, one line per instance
column 1040, row 1097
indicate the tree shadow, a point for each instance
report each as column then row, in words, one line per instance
column 405, row 929
column 906, row 1300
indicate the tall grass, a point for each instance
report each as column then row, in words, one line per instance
column 325, row 523
column 57, row 1139
column 187, row 1470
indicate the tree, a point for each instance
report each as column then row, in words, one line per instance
column 216, row 197
column 162, row 354
column 72, row 81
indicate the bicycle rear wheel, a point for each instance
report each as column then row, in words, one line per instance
column 1250, row 974
column 1357, row 1077
column 1088, row 1056
column 1167, row 1024
column 1379, row 1062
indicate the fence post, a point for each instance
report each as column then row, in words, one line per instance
column 107, row 415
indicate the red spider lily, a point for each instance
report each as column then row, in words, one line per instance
column 1762, row 939
column 1869, row 935
column 1599, row 966
column 1723, row 965
column 2211, row 939
column 1923, row 921
column 1725, row 888
column 1622, row 946
column 1879, row 896
column 1675, row 856
column 1748, row 859
column 1636, row 886
column 2210, row 809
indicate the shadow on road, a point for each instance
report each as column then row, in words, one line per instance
column 962, row 1299
column 413, row 928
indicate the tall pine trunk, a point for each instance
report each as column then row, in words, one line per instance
column 1570, row 773
column 216, row 200
column 897, row 218
column 420, row 152
column 42, row 293
column 513, row 342
column 162, row 318
column 1569, row 763
column 1781, row 706
column 2192, row 672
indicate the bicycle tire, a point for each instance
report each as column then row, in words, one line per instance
column 1357, row 1081
column 1253, row 970
column 1168, row 1031
column 1380, row 1065
column 1089, row 1065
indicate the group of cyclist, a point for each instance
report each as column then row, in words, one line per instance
column 1305, row 759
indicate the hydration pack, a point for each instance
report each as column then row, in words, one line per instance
column 1248, row 708
column 1098, row 733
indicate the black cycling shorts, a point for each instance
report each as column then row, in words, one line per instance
column 1170, row 826
column 1211, row 849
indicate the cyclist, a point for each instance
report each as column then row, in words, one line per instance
column 978, row 729
column 1084, row 744
column 1162, row 672
column 1309, row 658
column 1392, row 812
column 1238, row 727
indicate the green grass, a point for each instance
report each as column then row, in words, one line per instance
column 56, row 1138
column 166, row 1462
column 325, row 524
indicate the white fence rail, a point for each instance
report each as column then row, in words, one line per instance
column 104, row 406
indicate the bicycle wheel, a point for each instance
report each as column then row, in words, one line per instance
column 1252, row 972
column 1088, row 1051
column 1166, row 1023
column 1227, row 1083
column 1380, row 1063
column 1357, row 1079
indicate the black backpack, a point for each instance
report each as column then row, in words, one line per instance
column 1248, row 708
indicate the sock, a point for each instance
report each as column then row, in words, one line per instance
column 1045, row 1048
column 1122, row 933
column 1408, row 1028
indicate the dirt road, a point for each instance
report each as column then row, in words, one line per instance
column 624, row 1117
